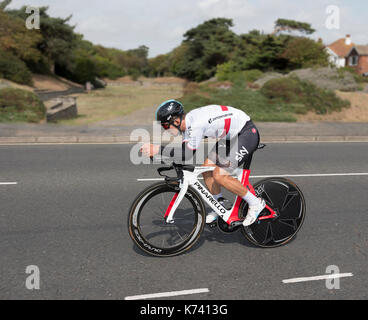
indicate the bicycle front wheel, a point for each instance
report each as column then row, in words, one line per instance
column 147, row 224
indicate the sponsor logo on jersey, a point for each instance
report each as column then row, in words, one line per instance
column 219, row 117
column 189, row 131
column 240, row 155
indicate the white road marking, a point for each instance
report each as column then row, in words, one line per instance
column 7, row 183
column 286, row 175
column 153, row 179
column 167, row 294
column 324, row 277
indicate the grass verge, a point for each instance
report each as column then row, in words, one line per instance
column 18, row 105
column 117, row 101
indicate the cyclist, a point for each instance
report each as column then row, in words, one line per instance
column 225, row 123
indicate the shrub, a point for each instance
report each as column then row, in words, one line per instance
column 252, row 102
column 20, row 106
column 357, row 77
column 226, row 72
column 294, row 91
column 286, row 89
column 14, row 69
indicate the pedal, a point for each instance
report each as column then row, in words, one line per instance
column 212, row 225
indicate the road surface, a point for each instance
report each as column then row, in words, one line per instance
column 63, row 209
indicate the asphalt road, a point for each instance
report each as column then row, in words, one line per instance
column 67, row 216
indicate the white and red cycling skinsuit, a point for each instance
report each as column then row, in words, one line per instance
column 213, row 121
column 232, row 127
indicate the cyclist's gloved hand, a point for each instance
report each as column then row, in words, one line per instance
column 150, row 150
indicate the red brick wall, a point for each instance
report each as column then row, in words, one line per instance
column 362, row 65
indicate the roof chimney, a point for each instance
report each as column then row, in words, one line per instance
column 348, row 40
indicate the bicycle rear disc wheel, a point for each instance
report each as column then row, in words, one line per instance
column 287, row 200
column 148, row 227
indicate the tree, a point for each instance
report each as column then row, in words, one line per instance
column 159, row 66
column 4, row 4
column 260, row 51
column 204, row 47
column 292, row 25
column 15, row 38
column 137, row 61
column 305, row 53
column 58, row 37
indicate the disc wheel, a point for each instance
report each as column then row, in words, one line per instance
column 147, row 224
column 286, row 199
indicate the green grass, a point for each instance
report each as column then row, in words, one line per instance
column 280, row 100
column 20, row 106
column 254, row 103
column 303, row 96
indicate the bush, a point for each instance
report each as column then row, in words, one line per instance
column 14, row 69
column 252, row 102
column 294, row 91
column 20, row 106
column 357, row 77
column 225, row 72
column 279, row 100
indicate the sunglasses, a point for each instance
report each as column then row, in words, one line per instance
column 165, row 125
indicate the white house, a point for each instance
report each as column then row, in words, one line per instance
column 339, row 50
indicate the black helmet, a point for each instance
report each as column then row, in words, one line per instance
column 168, row 111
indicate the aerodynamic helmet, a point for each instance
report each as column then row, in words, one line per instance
column 168, row 111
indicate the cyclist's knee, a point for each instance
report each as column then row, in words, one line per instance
column 219, row 175
column 208, row 163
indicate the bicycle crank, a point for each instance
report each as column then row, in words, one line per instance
column 226, row 228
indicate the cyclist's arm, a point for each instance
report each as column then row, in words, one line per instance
column 183, row 153
column 191, row 142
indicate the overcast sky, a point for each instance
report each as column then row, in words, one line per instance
column 160, row 24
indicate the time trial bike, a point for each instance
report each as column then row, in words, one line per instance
column 167, row 218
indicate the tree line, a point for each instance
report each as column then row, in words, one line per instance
column 208, row 49
column 212, row 48
column 56, row 48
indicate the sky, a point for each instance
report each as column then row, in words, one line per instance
column 160, row 24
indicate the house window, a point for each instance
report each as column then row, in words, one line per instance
column 353, row 60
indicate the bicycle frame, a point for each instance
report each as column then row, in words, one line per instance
column 229, row 216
